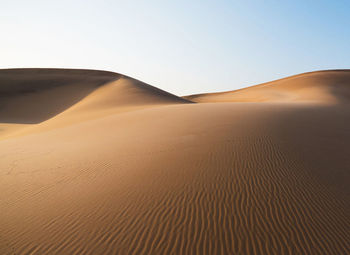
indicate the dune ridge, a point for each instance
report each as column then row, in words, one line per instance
column 130, row 169
column 70, row 96
column 24, row 91
column 328, row 86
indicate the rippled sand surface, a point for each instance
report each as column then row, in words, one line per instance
column 121, row 167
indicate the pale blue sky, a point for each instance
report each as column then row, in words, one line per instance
column 183, row 47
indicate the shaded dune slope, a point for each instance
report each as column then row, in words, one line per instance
column 24, row 92
column 35, row 95
column 130, row 169
column 32, row 96
column 319, row 87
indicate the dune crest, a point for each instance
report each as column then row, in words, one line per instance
column 325, row 87
column 35, row 95
column 57, row 97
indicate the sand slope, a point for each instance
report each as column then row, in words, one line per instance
column 161, row 176
column 35, row 95
column 316, row 87
column 32, row 96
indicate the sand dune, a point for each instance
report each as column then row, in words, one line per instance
column 66, row 96
column 130, row 169
column 316, row 87
column 35, row 95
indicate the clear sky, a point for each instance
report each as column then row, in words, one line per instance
column 183, row 47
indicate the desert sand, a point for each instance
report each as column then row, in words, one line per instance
column 95, row 162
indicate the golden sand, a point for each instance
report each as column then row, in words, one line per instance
column 94, row 162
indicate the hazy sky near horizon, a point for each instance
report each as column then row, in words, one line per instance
column 183, row 47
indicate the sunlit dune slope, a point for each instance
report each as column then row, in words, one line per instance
column 32, row 96
column 126, row 168
column 35, row 95
column 317, row 87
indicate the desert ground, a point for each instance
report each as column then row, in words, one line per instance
column 95, row 162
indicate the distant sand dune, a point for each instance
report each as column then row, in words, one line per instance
column 130, row 169
column 35, row 95
column 32, row 96
column 315, row 87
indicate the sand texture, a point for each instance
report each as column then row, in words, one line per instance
column 94, row 162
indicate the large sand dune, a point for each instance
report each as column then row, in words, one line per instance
column 67, row 96
column 317, row 87
column 120, row 167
